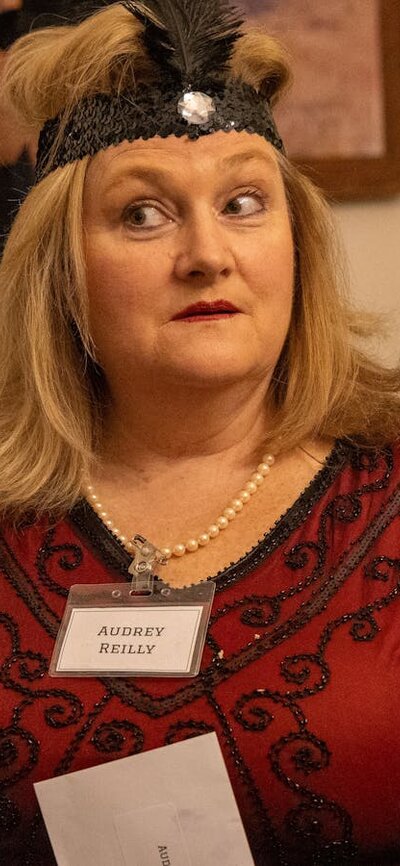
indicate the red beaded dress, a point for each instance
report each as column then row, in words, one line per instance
column 304, row 697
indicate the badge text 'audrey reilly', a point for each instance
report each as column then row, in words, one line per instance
column 129, row 631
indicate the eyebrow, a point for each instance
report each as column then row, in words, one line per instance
column 163, row 176
column 238, row 159
column 139, row 172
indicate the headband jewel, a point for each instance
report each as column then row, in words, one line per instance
column 196, row 107
column 191, row 42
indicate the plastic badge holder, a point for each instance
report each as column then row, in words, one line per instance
column 118, row 630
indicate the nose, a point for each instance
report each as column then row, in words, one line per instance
column 204, row 251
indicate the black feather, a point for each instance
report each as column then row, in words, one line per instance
column 193, row 38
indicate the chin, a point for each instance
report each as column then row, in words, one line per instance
column 213, row 372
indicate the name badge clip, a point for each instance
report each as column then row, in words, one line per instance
column 142, row 565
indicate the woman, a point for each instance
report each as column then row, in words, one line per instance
column 177, row 361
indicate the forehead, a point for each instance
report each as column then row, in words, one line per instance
column 209, row 154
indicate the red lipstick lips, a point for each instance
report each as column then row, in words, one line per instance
column 207, row 310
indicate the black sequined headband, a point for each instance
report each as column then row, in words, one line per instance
column 192, row 42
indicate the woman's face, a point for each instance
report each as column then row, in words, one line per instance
column 170, row 223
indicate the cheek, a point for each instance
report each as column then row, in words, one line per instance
column 116, row 284
column 271, row 271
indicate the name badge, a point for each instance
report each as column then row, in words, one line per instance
column 108, row 630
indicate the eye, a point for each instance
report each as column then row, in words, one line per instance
column 245, row 204
column 144, row 216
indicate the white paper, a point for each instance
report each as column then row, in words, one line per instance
column 87, row 812
column 152, row 836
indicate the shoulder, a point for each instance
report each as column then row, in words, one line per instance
column 369, row 473
column 366, row 457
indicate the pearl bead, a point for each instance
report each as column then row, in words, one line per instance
column 123, row 539
column 237, row 504
column 263, row 468
column 251, row 487
column 213, row 530
column 109, row 523
column 230, row 513
column 192, row 545
column 257, row 478
column 179, row 550
column 93, row 497
column 244, row 496
column 203, row 539
column 222, row 522
column 103, row 515
column 269, row 458
column 167, row 552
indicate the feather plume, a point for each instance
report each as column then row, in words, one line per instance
column 192, row 38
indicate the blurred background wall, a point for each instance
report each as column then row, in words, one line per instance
column 371, row 234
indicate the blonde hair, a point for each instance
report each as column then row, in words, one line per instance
column 51, row 389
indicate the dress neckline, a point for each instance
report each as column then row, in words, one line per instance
column 114, row 555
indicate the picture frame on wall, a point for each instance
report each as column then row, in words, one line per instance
column 341, row 119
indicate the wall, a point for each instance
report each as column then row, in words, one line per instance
column 371, row 233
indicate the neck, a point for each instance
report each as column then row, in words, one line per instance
column 158, row 427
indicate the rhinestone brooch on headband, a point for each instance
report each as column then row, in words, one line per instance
column 197, row 108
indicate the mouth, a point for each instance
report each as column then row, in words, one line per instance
column 207, row 310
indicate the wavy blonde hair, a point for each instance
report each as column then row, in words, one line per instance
column 51, row 388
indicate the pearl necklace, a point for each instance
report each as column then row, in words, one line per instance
column 221, row 523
